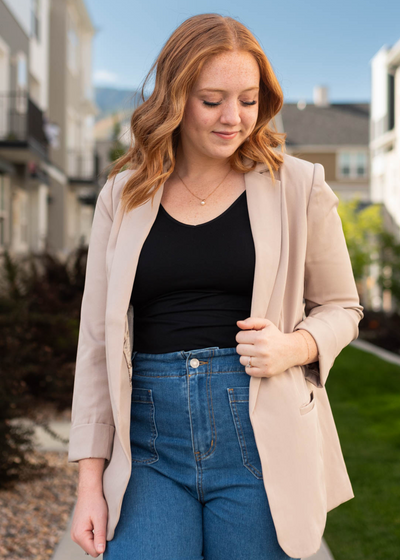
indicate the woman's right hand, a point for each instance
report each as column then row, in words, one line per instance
column 90, row 514
column 89, row 523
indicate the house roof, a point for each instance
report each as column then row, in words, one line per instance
column 338, row 123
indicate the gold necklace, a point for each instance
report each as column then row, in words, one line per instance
column 203, row 200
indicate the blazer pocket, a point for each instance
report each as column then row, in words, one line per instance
column 308, row 407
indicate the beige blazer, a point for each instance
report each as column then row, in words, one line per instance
column 300, row 253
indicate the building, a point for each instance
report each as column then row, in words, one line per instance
column 333, row 134
column 72, row 107
column 24, row 145
column 48, row 177
column 385, row 133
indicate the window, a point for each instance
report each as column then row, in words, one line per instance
column 20, row 100
column 361, row 169
column 391, row 102
column 22, row 70
column 353, row 164
column 35, row 17
column 345, row 165
column 72, row 39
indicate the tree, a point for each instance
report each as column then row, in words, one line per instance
column 389, row 255
column 117, row 148
column 362, row 229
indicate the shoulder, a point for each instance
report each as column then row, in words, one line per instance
column 301, row 181
column 111, row 191
column 299, row 174
column 294, row 168
column 293, row 163
column 304, row 171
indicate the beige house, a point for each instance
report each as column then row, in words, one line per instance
column 24, row 145
column 47, row 165
column 72, row 107
column 333, row 134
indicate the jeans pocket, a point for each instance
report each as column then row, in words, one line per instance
column 239, row 405
column 143, row 429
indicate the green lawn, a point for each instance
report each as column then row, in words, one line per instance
column 364, row 392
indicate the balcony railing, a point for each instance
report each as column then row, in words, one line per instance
column 82, row 165
column 21, row 121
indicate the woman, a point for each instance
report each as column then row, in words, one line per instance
column 203, row 427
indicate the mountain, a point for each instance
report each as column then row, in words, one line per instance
column 110, row 100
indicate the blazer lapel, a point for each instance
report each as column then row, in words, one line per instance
column 134, row 228
column 264, row 207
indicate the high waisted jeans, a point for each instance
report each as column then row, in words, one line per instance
column 196, row 490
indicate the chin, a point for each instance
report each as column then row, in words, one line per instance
column 223, row 153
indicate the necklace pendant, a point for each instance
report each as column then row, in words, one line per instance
column 203, row 202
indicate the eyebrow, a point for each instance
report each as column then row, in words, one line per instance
column 222, row 90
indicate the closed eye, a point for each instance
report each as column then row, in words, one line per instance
column 209, row 104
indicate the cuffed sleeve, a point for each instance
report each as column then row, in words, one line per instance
column 332, row 305
column 92, row 424
column 91, row 440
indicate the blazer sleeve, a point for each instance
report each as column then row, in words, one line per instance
column 92, row 424
column 332, row 305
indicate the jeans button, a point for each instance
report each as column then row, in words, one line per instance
column 194, row 362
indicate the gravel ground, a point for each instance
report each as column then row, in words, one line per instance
column 35, row 513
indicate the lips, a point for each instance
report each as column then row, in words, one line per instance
column 226, row 135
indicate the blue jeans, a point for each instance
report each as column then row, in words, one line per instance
column 196, row 490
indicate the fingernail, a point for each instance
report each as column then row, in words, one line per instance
column 100, row 547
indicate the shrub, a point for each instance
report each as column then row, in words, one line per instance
column 40, row 300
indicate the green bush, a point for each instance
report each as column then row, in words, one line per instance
column 40, row 301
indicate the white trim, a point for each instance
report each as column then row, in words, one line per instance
column 384, row 139
column 54, row 173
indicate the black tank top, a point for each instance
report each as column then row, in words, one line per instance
column 193, row 282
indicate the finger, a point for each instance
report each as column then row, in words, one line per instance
column 88, row 542
column 245, row 361
column 246, row 337
column 246, row 349
column 256, row 323
column 100, row 537
column 253, row 370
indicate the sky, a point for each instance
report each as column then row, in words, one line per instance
column 309, row 43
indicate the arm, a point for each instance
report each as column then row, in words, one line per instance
column 332, row 306
column 92, row 424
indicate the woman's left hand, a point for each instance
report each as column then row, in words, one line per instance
column 272, row 351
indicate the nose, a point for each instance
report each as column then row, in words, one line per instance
column 230, row 114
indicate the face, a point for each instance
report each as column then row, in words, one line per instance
column 222, row 108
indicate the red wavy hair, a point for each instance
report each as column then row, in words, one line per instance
column 155, row 123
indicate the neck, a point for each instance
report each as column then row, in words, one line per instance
column 194, row 165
